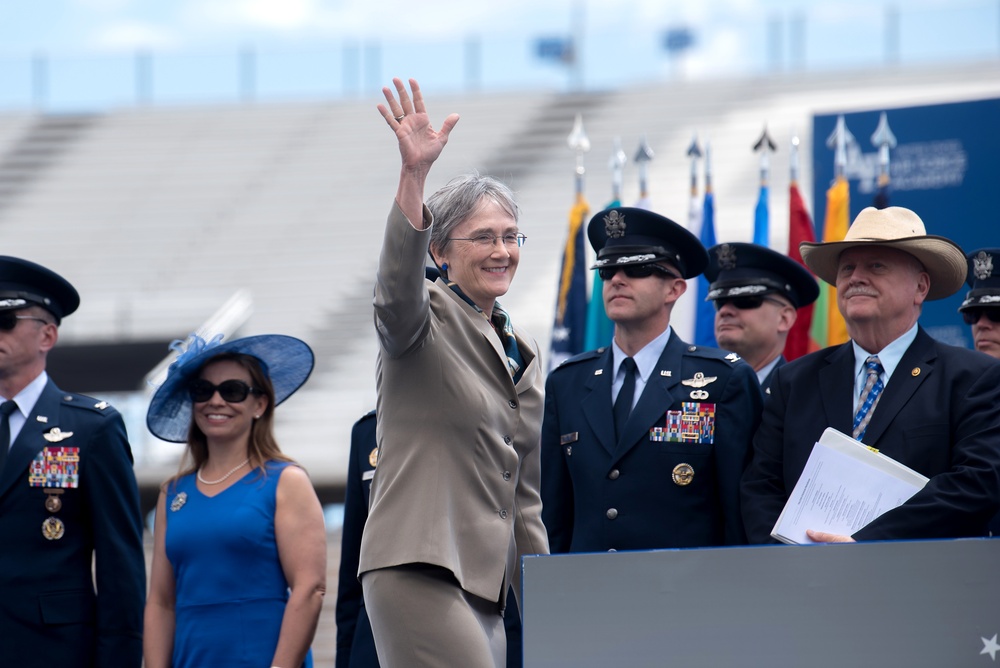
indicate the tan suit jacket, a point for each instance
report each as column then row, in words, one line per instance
column 457, row 481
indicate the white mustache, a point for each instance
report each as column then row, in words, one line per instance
column 863, row 292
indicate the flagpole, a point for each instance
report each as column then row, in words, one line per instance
column 883, row 139
column 765, row 146
column 616, row 163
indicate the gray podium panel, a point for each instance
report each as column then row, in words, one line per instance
column 914, row 603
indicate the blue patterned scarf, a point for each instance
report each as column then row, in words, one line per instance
column 505, row 330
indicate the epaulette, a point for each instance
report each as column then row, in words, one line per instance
column 712, row 353
column 88, row 403
column 582, row 357
column 367, row 416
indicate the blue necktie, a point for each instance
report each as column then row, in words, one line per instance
column 6, row 408
column 623, row 404
column 869, row 396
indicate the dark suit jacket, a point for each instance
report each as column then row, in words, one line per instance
column 50, row 614
column 601, row 495
column 939, row 414
column 355, row 642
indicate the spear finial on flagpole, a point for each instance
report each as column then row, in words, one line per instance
column 694, row 153
column 642, row 157
column 708, row 166
column 579, row 142
column 765, row 146
column 838, row 141
column 617, row 166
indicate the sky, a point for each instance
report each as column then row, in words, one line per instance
column 335, row 47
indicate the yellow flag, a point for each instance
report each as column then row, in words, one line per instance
column 838, row 208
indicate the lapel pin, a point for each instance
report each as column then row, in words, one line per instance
column 41, row 418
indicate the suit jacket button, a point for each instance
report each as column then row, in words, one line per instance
column 508, row 440
column 614, row 474
column 503, row 513
column 506, row 475
column 612, row 513
column 512, row 403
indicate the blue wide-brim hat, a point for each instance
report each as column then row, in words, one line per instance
column 286, row 360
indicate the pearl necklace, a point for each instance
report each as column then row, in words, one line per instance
column 225, row 477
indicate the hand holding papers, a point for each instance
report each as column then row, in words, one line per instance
column 844, row 486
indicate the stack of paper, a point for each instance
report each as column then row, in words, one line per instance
column 844, row 486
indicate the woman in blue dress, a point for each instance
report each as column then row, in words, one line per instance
column 239, row 560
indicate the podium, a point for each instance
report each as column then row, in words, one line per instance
column 906, row 603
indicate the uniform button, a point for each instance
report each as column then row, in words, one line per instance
column 614, row 474
column 508, row 440
column 512, row 403
column 612, row 513
column 506, row 475
column 503, row 514
column 569, row 450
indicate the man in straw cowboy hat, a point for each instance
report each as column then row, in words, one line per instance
column 930, row 406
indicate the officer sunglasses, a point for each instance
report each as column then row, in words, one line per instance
column 972, row 316
column 635, row 271
column 747, row 303
column 232, row 391
column 8, row 320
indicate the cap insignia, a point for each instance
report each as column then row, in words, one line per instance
column 982, row 265
column 727, row 256
column 12, row 303
column 614, row 225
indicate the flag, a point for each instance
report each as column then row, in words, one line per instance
column 571, row 303
column 704, row 323
column 800, row 228
column 761, row 233
column 600, row 329
column 828, row 326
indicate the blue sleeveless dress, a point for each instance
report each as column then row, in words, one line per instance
column 230, row 589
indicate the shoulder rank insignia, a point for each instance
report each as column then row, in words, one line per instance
column 101, row 405
column 732, row 357
column 55, row 435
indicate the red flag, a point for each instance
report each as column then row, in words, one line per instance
column 800, row 228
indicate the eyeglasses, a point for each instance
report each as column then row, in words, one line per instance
column 233, row 391
column 972, row 316
column 488, row 240
column 8, row 320
column 635, row 271
column 747, row 303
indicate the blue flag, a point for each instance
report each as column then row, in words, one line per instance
column 761, row 234
column 570, row 322
column 704, row 324
column 600, row 329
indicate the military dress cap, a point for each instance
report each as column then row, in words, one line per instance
column 742, row 270
column 899, row 228
column 625, row 236
column 24, row 283
column 285, row 360
column 983, row 278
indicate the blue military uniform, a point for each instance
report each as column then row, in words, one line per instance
column 983, row 280
column 355, row 643
column 672, row 477
column 67, row 492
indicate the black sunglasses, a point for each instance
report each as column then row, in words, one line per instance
column 972, row 316
column 233, row 391
column 9, row 320
column 635, row 271
column 747, row 303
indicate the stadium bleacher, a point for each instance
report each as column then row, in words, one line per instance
column 159, row 215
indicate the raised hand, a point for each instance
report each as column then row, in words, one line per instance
column 419, row 144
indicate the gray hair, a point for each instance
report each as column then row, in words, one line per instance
column 460, row 198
